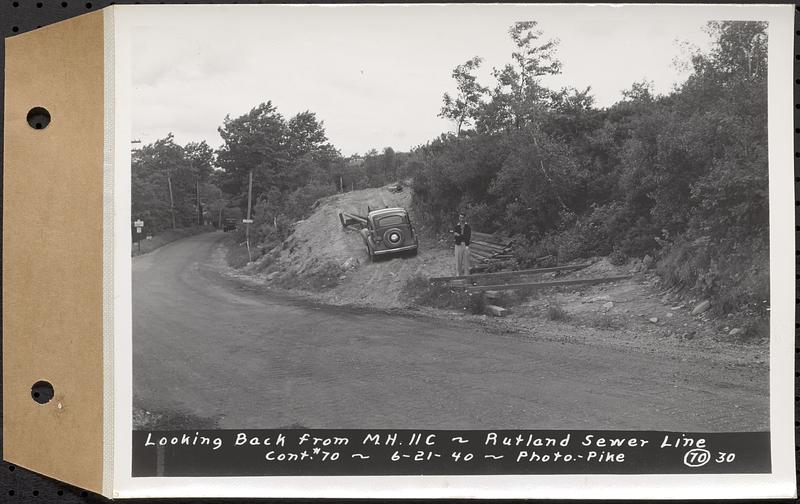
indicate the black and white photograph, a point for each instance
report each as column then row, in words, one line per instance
column 493, row 218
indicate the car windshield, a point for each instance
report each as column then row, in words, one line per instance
column 390, row 220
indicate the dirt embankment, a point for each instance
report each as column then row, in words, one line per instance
column 329, row 264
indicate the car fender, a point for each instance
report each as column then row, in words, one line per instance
column 364, row 235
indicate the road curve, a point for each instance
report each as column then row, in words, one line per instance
column 205, row 348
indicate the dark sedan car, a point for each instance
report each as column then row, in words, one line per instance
column 389, row 231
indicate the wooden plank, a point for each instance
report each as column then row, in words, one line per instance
column 496, row 246
column 497, row 311
column 479, row 246
column 348, row 219
column 483, row 255
column 490, row 238
column 487, row 250
column 542, row 285
column 501, row 274
column 480, row 257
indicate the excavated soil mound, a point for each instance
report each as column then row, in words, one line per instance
column 321, row 255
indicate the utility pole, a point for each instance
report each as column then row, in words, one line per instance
column 171, row 201
column 197, row 199
column 248, row 221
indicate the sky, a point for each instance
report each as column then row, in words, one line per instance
column 376, row 74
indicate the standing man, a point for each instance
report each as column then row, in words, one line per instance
column 462, row 233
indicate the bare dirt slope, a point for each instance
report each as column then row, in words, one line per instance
column 324, row 258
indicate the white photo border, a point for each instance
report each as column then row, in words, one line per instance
column 121, row 20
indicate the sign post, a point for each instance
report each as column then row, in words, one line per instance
column 138, row 224
column 248, row 220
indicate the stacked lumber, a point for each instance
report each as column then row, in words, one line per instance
column 486, row 248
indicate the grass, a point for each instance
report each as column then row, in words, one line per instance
column 556, row 313
column 604, row 321
column 236, row 255
column 753, row 331
column 735, row 280
column 421, row 291
column 325, row 277
column 167, row 237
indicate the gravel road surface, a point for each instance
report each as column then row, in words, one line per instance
column 207, row 348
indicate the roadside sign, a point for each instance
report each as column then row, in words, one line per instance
column 138, row 229
column 138, row 223
column 247, row 221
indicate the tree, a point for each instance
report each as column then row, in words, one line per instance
column 169, row 182
column 201, row 159
column 201, row 164
column 464, row 107
column 257, row 141
column 681, row 176
column 306, row 134
column 153, row 169
column 389, row 162
column 518, row 96
column 740, row 49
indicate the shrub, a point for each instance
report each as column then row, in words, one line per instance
column 617, row 257
column 557, row 312
column 324, row 277
column 754, row 330
column 604, row 321
column 236, row 256
column 476, row 303
column 166, row 237
column 735, row 277
column 421, row 291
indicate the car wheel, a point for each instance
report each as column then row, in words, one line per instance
column 394, row 238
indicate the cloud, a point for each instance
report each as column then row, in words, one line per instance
column 376, row 75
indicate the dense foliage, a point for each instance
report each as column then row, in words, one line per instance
column 292, row 165
column 167, row 178
column 681, row 176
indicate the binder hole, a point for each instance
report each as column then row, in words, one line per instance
column 38, row 118
column 42, row 392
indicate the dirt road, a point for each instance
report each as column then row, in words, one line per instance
column 206, row 348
